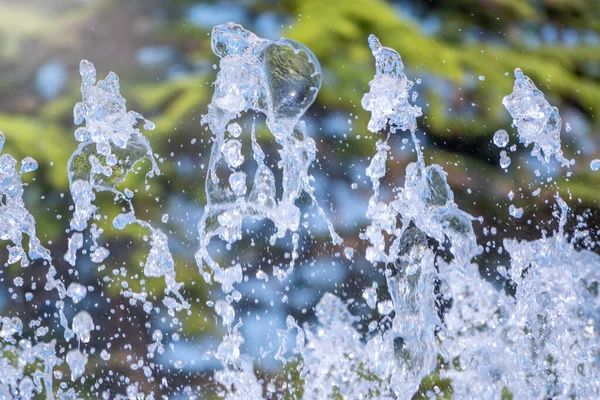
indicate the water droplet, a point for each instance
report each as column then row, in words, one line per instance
column 105, row 355
column 28, row 164
column 234, row 129
column 237, row 182
column 77, row 362
column 99, row 255
column 76, row 292
column 82, row 134
column 385, row 307
column 79, row 113
column 349, row 253
column 370, row 296
column 501, row 138
column 88, row 73
column 504, row 160
column 83, row 325
column 514, row 211
column 149, row 125
column 519, row 73
column 232, row 151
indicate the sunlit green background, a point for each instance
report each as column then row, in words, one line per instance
column 462, row 52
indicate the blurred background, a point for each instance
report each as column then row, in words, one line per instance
column 460, row 53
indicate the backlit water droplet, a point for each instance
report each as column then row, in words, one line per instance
column 501, row 138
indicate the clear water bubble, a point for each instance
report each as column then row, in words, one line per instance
column 294, row 78
column 105, row 355
column 82, row 134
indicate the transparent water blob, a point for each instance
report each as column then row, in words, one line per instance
column 501, row 138
column 536, row 120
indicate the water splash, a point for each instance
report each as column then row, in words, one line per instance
column 499, row 343
column 536, row 120
column 279, row 79
column 18, row 355
column 540, row 342
column 556, row 318
column 426, row 199
column 423, row 208
column 335, row 359
column 111, row 146
column 388, row 98
column 15, row 220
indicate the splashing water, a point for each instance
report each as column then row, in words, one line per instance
column 486, row 332
column 17, row 377
column 388, row 98
column 110, row 147
column 439, row 318
column 536, row 120
column 15, row 220
column 281, row 80
column 407, row 352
